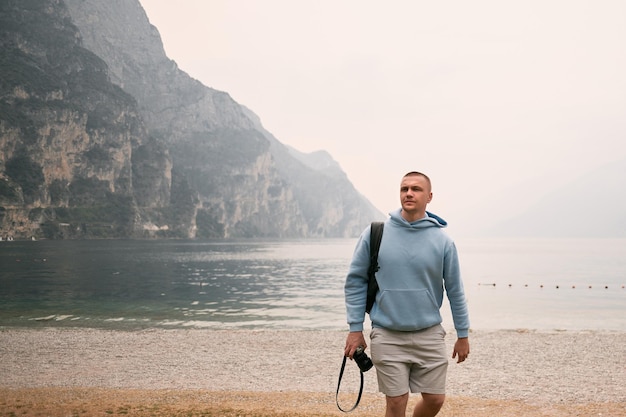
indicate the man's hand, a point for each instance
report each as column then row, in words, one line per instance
column 461, row 349
column 353, row 341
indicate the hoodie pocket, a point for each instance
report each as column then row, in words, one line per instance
column 406, row 310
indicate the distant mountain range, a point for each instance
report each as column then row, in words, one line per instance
column 102, row 135
column 592, row 205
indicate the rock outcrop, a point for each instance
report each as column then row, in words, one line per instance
column 102, row 135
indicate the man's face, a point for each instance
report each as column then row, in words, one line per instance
column 415, row 194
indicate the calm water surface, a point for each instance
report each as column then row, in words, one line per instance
column 510, row 284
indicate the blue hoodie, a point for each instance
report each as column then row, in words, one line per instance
column 416, row 262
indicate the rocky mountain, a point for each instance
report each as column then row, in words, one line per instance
column 102, row 135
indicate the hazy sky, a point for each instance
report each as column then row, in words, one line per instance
column 483, row 96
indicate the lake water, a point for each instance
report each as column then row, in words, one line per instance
column 543, row 284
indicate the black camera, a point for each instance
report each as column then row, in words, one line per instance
column 362, row 360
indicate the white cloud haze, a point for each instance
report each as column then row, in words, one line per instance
column 483, row 96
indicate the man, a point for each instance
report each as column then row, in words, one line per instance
column 417, row 260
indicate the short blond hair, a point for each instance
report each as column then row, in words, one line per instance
column 417, row 173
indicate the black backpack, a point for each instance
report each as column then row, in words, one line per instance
column 372, row 285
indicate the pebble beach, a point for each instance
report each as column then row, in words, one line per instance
column 75, row 371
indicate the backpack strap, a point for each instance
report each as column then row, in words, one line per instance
column 376, row 235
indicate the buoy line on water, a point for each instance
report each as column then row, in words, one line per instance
column 494, row 284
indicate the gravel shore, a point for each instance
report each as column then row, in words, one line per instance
column 571, row 368
column 574, row 367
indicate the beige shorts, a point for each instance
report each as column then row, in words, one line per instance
column 415, row 361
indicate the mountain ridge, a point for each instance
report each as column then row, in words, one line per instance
column 589, row 206
column 185, row 161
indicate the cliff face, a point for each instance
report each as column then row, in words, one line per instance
column 102, row 135
column 67, row 134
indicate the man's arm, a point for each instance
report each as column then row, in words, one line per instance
column 355, row 288
column 455, row 292
column 355, row 291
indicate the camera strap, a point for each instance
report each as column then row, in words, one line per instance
column 343, row 366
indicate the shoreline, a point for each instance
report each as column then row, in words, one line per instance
column 167, row 403
column 506, row 368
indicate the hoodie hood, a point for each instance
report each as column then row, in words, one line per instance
column 431, row 220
